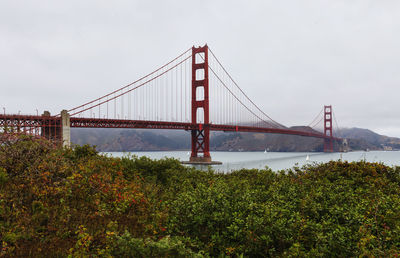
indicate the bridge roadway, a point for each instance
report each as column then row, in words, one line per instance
column 23, row 121
column 143, row 124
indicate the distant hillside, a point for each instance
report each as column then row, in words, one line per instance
column 130, row 139
column 374, row 140
column 152, row 140
column 262, row 141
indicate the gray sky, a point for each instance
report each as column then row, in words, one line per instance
column 291, row 57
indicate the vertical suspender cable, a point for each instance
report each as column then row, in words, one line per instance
column 181, row 100
column 176, row 93
column 172, row 96
column 115, row 107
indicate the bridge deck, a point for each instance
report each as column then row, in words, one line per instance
column 115, row 123
column 28, row 121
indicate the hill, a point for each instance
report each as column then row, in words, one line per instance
column 375, row 141
column 131, row 139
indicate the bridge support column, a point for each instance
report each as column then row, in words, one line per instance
column 200, row 136
column 328, row 141
column 49, row 128
column 65, row 129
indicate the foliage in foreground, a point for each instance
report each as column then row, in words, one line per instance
column 63, row 202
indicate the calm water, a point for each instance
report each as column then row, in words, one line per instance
column 274, row 160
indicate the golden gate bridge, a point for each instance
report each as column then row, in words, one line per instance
column 192, row 92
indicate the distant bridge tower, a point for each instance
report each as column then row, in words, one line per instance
column 328, row 142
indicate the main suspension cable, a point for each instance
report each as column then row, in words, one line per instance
column 320, row 112
column 134, row 88
column 278, row 124
column 132, row 83
column 232, row 94
column 337, row 125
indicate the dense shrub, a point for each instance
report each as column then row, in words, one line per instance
column 332, row 209
column 60, row 202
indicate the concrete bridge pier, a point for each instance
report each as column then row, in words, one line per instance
column 345, row 145
column 65, row 129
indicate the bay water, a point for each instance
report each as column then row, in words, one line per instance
column 274, row 160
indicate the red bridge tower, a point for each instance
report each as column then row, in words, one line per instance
column 328, row 142
column 201, row 135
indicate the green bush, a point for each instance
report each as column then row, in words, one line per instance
column 58, row 202
column 84, row 151
column 332, row 209
column 3, row 176
column 127, row 246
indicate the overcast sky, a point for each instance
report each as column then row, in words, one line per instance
column 291, row 57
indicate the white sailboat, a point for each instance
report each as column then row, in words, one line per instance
column 307, row 158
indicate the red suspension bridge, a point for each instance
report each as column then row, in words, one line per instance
column 192, row 92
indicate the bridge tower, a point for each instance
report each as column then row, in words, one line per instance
column 328, row 142
column 200, row 136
